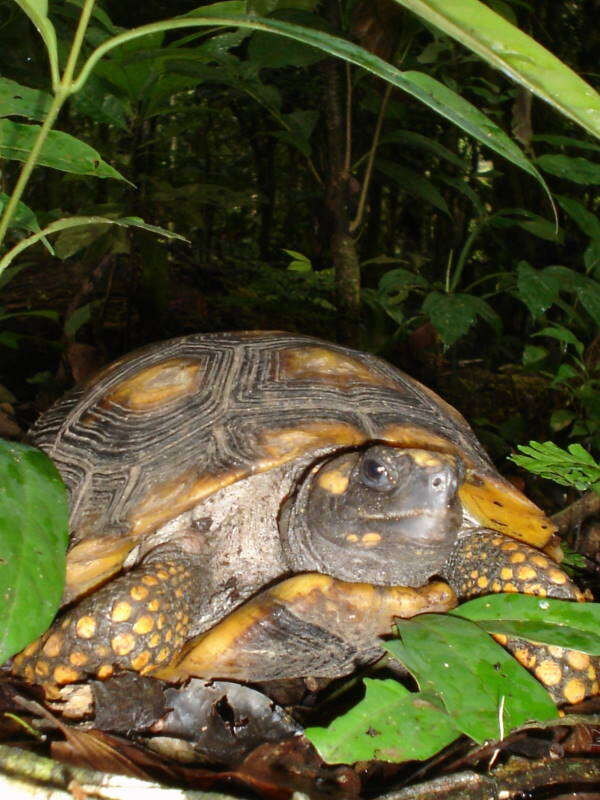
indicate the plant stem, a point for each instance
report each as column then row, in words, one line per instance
column 61, row 94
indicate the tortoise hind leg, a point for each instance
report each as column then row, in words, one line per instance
column 137, row 621
column 487, row 562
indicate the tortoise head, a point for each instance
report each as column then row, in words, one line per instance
column 384, row 515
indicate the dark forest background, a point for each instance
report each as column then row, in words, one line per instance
column 316, row 198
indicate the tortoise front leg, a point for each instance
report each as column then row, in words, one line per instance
column 310, row 625
column 137, row 621
column 485, row 562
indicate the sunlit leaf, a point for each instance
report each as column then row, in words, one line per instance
column 389, row 724
column 485, row 690
column 501, row 44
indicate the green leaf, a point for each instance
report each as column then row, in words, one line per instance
column 586, row 220
column 536, row 289
column 74, row 222
column 421, row 142
column 578, row 170
column 17, row 100
column 562, row 335
column 561, row 418
column 572, row 467
column 588, row 292
column 485, row 690
column 24, row 219
column 420, row 85
column 533, row 355
column 557, row 140
column 538, row 619
column 453, row 314
column 33, row 541
column 388, row 724
column 276, row 52
column 412, row 183
column 510, row 50
column 60, row 151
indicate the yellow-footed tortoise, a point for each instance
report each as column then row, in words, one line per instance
column 260, row 506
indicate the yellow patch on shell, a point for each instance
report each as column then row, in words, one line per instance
column 281, row 445
column 412, row 436
column 169, row 499
column 321, row 365
column 93, row 561
column 156, row 386
column 78, row 659
column 497, row 504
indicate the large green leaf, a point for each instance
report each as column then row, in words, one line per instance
column 60, row 151
column 389, row 724
column 501, row 44
column 420, row 85
column 484, row 689
column 33, row 540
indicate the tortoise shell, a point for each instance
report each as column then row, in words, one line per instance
column 168, row 425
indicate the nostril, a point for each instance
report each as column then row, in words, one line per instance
column 437, row 482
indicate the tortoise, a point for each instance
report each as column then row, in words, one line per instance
column 261, row 505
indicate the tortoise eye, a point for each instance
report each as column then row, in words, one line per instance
column 375, row 474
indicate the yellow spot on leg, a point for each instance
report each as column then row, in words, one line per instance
column 105, row 671
column 65, row 675
column 86, row 627
column 139, row 593
column 526, row 573
column 141, row 661
column 482, row 582
column 577, row 659
column 123, row 643
column 556, row 576
column 144, row 624
column 53, row 645
column 506, row 573
column 549, row 673
column 574, row 691
column 121, row 611
column 78, row 659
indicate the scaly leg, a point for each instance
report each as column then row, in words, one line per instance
column 487, row 562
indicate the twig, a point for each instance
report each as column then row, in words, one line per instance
column 577, row 512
